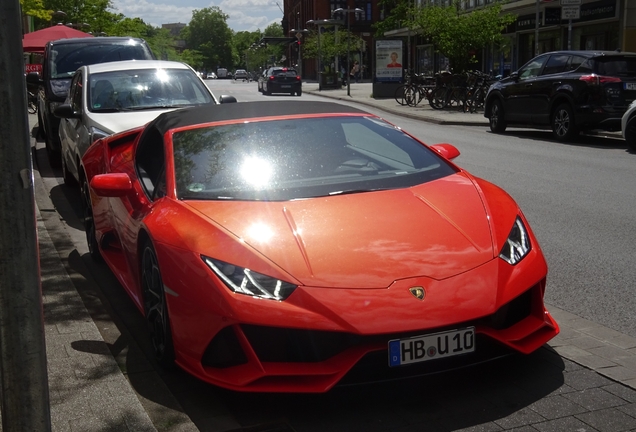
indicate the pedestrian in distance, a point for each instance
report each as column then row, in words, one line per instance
column 355, row 71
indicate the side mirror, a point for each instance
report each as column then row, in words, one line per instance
column 111, row 185
column 447, row 151
column 66, row 111
column 515, row 75
column 227, row 99
column 34, row 78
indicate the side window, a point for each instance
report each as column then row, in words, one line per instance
column 575, row 63
column 76, row 92
column 556, row 64
column 533, row 68
column 151, row 163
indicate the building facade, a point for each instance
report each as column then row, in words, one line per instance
column 297, row 13
column 596, row 25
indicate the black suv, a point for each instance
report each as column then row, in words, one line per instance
column 569, row 91
column 61, row 59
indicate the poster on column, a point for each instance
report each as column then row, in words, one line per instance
column 388, row 60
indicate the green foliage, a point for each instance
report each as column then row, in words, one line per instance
column 329, row 48
column 458, row 35
column 86, row 15
column 398, row 14
column 193, row 58
column 36, row 9
column 209, row 34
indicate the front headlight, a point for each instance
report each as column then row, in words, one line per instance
column 517, row 245
column 245, row 281
column 98, row 134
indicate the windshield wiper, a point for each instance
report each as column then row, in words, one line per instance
column 354, row 191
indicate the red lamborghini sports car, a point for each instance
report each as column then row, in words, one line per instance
column 292, row 246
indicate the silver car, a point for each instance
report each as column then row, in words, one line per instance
column 628, row 126
column 113, row 97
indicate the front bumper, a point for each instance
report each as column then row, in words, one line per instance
column 311, row 341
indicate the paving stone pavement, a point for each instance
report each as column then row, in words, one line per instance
column 89, row 391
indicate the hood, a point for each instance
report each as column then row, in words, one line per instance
column 121, row 121
column 367, row 240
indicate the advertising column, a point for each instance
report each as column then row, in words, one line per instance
column 388, row 61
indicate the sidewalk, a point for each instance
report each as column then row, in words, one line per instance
column 362, row 93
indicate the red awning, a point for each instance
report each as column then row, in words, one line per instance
column 35, row 41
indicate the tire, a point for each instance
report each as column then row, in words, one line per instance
column 89, row 224
column 563, row 125
column 438, row 98
column 400, row 94
column 69, row 180
column 411, row 95
column 478, row 99
column 54, row 156
column 630, row 134
column 41, row 135
column 299, row 93
column 156, row 308
column 497, row 119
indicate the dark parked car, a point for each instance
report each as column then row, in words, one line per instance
column 569, row 91
column 61, row 59
column 280, row 80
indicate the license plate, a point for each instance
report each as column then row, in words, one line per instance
column 432, row 346
column 630, row 86
column 286, row 86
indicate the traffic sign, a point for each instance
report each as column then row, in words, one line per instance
column 570, row 12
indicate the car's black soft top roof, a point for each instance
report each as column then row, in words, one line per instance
column 244, row 110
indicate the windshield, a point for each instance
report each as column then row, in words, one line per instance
column 299, row 158
column 145, row 89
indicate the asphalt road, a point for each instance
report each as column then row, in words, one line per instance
column 580, row 199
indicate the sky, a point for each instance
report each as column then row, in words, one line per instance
column 245, row 15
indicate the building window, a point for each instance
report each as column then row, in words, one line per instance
column 365, row 5
column 338, row 4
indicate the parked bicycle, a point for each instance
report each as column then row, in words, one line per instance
column 32, row 102
column 415, row 89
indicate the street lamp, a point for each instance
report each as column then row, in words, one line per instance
column 348, row 71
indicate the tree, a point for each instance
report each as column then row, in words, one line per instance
column 456, row 33
column 86, row 15
column 329, row 48
column 397, row 13
column 36, row 9
column 209, row 34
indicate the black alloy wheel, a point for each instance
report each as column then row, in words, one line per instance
column 497, row 120
column 89, row 223
column 630, row 134
column 563, row 126
column 156, row 308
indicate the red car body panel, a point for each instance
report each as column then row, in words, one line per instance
column 343, row 252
